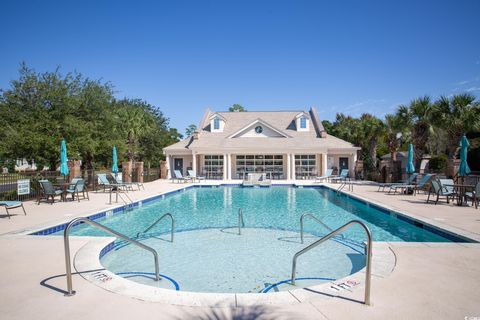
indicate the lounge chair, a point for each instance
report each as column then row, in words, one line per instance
column 48, row 191
column 112, row 185
column 179, row 177
column 193, row 175
column 342, row 177
column 327, row 176
column 263, row 181
column 12, row 205
column 118, row 179
column 474, row 195
column 77, row 187
column 406, row 185
column 441, row 188
column 422, row 183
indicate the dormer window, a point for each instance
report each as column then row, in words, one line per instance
column 217, row 123
column 303, row 123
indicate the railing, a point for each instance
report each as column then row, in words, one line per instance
column 368, row 274
column 241, row 222
column 116, row 189
column 66, row 242
column 344, row 184
column 302, row 221
column 157, row 221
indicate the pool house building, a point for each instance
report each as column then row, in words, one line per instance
column 285, row 145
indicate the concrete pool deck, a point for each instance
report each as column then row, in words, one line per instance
column 429, row 281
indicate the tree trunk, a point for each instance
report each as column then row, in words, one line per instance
column 373, row 152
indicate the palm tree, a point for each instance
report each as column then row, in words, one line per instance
column 456, row 115
column 371, row 129
column 417, row 116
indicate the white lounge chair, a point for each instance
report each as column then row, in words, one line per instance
column 193, row 175
column 327, row 176
column 179, row 177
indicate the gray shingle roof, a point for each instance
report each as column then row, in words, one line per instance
column 283, row 121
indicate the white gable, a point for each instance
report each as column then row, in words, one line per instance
column 259, row 129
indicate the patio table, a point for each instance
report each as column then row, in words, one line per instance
column 461, row 189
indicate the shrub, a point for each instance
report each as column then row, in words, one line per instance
column 438, row 164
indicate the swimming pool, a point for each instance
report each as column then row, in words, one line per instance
column 209, row 256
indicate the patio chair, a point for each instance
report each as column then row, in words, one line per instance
column 12, row 205
column 407, row 184
column 342, row 177
column 118, row 179
column 125, row 185
column 193, row 175
column 328, row 175
column 179, row 177
column 440, row 188
column 77, row 186
column 263, row 181
column 474, row 195
column 48, row 191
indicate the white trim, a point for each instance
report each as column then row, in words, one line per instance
column 251, row 124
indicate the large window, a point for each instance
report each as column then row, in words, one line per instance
column 271, row 164
column 213, row 166
column 216, row 123
column 305, row 166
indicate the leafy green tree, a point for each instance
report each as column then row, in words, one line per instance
column 396, row 129
column 236, row 108
column 38, row 110
column 456, row 116
column 190, row 130
column 372, row 130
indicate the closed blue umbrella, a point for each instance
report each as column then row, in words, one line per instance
column 114, row 157
column 410, row 167
column 63, row 159
column 464, row 169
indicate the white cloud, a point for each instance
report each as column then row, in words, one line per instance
column 473, row 89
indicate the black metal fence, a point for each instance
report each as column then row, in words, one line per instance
column 11, row 183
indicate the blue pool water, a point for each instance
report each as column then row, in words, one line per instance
column 275, row 208
column 209, row 256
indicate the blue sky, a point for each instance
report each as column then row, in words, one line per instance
column 184, row 56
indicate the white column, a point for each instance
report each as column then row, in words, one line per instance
column 324, row 163
column 169, row 171
column 194, row 162
column 293, row 166
column 288, row 167
column 229, row 166
column 225, row 160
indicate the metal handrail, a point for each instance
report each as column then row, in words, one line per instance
column 158, row 220
column 241, row 222
column 66, row 242
column 307, row 214
column 345, row 183
column 368, row 274
column 116, row 196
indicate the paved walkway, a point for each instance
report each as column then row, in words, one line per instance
column 430, row 281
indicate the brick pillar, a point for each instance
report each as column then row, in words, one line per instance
column 452, row 167
column 127, row 168
column 163, row 170
column 138, row 170
column 74, row 169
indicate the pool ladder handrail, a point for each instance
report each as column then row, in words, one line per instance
column 66, row 242
column 345, row 183
column 302, row 222
column 157, row 221
column 241, row 222
column 368, row 273
column 117, row 190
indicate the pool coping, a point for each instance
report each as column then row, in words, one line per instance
column 87, row 264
